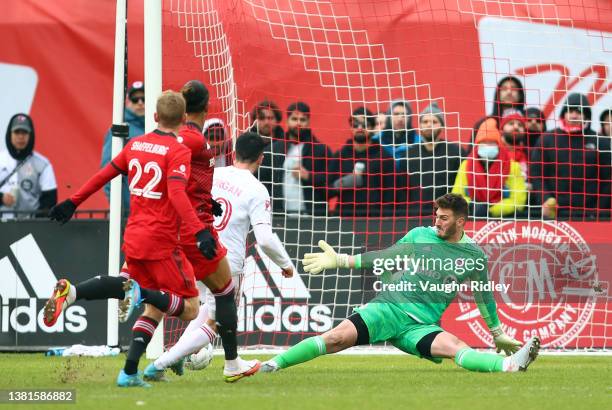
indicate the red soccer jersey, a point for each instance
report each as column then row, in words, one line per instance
column 152, row 162
column 202, row 168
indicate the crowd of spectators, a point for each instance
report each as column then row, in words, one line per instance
column 388, row 166
column 513, row 167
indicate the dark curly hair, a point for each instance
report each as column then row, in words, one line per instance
column 267, row 105
column 455, row 203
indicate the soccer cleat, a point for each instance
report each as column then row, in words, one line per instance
column 131, row 300
column 152, row 374
column 269, row 367
column 246, row 368
column 521, row 360
column 56, row 303
column 131, row 380
column 179, row 367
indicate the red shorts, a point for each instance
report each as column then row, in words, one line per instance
column 201, row 266
column 173, row 274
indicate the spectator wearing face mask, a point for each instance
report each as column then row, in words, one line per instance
column 489, row 179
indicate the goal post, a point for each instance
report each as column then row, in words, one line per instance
column 457, row 64
column 114, row 231
column 152, row 10
column 153, row 76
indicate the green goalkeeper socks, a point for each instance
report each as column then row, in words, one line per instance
column 479, row 362
column 313, row 347
column 304, row 351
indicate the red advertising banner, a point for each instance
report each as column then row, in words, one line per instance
column 558, row 276
column 56, row 61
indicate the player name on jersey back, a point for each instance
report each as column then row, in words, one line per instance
column 228, row 187
column 150, row 147
column 245, row 202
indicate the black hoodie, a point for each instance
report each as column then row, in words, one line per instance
column 48, row 198
column 376, row 195
column 534, row 137
column 571, row 167
column 20, row 155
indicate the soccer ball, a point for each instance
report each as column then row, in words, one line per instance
column 200, row 360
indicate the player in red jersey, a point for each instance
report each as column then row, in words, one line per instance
column 158, row 168
column 214, row 272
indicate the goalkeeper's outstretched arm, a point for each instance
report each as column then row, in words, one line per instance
column 315, row 263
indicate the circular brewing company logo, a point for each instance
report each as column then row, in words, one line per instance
column 552, row 276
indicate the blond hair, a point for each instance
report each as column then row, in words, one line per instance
column 170, row 109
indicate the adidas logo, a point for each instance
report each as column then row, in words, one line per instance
column 35, row 289
column 286, row 313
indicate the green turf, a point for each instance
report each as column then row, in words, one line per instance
column 331, row 382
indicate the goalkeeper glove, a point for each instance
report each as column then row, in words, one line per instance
column 216, row 208
column 504, row 342
column 314, row 263
column 62, row 212
column 206, row 243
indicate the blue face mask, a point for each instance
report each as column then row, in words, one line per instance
column 488, row 151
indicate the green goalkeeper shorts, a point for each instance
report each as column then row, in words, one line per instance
column 387, row 323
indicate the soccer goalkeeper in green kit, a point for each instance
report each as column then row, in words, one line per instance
column 407, row 311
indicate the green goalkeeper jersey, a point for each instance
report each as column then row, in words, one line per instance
column 427, row 274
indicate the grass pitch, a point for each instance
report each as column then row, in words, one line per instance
column 331, row 382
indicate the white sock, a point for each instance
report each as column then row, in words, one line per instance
column 190, row 342
column 201, row 319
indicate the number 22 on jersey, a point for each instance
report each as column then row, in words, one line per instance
column 153, row 171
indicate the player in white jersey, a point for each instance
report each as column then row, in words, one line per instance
column 245, row 203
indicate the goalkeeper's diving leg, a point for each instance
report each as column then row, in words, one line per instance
column 351, row 332
column 446, row 345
